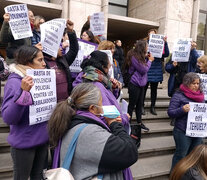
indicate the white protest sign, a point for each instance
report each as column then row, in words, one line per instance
column 156, row 45
column 43, row 93
column 97, row 23
column 51, row 35
column 197, row 120
column 85, row 49
column 124, row 106
column 200, row 52
column 19, row 21
column 181, row 50
column 203, row 78
column 111, row 70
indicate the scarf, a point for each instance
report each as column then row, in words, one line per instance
column 22, row 68
column 196, row 96
column 94, row 74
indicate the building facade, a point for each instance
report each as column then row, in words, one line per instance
column 130, row 20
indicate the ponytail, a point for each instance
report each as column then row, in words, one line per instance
column 82, row 96
column 60, row 121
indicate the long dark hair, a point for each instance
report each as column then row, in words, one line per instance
column 82, row 96
column 139, row 51
column 128, row 61
column 96, row 59
column 90, row 35
column 26, row 54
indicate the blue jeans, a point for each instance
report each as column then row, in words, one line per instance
column 184, row 145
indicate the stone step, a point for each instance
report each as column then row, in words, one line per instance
column 6, row 166
column 157, row 129
column 152, row 167
column 161, row 94
column 159, row 105
column 4, row 145
column 161, row 114
column 4, row 128
column 154, row 146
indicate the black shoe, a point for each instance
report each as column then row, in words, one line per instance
column 143, row 111
column 152, row 110
column 144, row 127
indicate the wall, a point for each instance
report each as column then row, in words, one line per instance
column 153, row 10
column 180, row 19
column 177, row 18
column 79, row 10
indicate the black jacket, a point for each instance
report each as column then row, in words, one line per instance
column 192, row 174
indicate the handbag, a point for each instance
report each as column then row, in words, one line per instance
column 62, row 173
column 4, row 70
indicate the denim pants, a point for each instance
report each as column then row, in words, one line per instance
column 136, row 94
column 29, row 162
column 184, row 145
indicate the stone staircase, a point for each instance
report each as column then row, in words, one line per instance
column 6, row 169
column 157, row 145
column 155, row 152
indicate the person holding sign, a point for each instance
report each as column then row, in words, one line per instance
column 140, row 63
column 108, row 45
column 104, row 143
column 192, row 166
column 95, row 70
column 61, row 64
column 155, row 74
column 190, row 91
column 177, row 70
column 6, row 37
column 29, row 144
column 88, row 36
column 36, row 30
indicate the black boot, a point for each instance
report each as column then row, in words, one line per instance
column 136, row 134
column 152, row 110
column 143, row 111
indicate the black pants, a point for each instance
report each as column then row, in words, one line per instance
column 153, row 86
column 136, row 95
column 29, row 162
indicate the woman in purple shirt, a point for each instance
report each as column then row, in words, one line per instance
column 139, row 64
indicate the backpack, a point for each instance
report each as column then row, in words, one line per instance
column 4, row 70
column 127, row 77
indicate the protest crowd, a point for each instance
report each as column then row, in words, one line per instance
column 62, row 99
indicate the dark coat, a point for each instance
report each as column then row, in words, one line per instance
column 177, row 73
column 6, row 37
column 36, row 37
column 155, row 73
column 192, row 174
column 119, row 55
column 175, row 109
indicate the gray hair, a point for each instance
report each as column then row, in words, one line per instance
column 189, row 78
column 84, row 95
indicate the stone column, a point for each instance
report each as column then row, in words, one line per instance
column 104, row 8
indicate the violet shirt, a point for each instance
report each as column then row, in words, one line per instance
column 139, row 71
column 15, row 114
